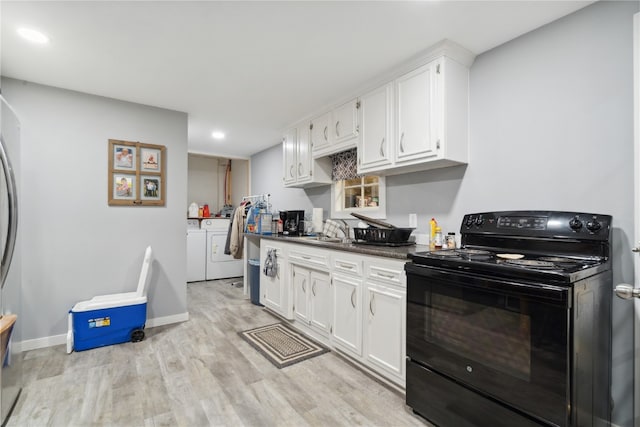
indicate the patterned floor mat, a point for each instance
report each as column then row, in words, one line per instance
column 282, row 345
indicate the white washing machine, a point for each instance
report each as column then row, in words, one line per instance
column 219, row 265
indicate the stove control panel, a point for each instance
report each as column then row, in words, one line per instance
column 546, row 224
column 534, row 223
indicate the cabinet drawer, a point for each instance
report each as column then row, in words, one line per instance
column 318, row 260
column 392, row 273
column 347, row 265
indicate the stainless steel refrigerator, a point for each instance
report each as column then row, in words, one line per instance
column 10, row 267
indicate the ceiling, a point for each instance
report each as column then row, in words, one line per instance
column 249, row 69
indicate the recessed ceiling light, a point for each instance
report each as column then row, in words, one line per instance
column 33, row 36
column 217, row 135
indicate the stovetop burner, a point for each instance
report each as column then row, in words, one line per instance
column 468, row 254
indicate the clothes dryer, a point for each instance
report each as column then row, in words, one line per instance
column 219, row 265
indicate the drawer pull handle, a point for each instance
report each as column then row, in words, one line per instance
column 313, row 288
column 349, row 266
column 353, row 294
column 304, row 286
column 386, row 275
column 370, row 305
column 326, row 137
column 382, row 148
column 306, row 257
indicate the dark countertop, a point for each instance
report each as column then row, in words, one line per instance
column 400, row 252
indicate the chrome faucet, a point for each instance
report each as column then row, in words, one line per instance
column 345, row 230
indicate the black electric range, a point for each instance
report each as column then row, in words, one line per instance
column 514, row 328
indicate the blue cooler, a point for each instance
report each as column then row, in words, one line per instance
column 110, row 319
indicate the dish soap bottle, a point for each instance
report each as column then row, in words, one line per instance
column 432, row 233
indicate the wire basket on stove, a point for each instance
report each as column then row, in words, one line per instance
column 382, row 235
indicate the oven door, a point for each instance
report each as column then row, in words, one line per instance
column 507, row 341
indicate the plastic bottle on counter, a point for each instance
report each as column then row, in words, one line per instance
column 437, row 240
column 432, row 233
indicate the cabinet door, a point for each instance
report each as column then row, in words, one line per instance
column 345, row 122
column 321, row 309
column 301, row 289
column 415, row 134
column 347, row 314
column 289, row 148
column 272, row 287
column 385, row 328
column 375, row 113
column 303, row 168
column 320, row 132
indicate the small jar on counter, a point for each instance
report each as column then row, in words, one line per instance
column 451, row 241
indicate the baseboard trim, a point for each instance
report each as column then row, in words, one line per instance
column 167, row 320
column 54, row 340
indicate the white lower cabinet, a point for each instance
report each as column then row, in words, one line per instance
column 385, row 324
column 346, row 331
column 274, row 292
column 301, row 277
column 350, row 302
column 320, row 301
column 384, row 342
column 312, row 299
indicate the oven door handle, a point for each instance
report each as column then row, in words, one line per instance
column 625, row 291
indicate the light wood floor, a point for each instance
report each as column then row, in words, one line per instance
column 201, row 373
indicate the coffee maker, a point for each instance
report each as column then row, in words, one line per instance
column 292, row 223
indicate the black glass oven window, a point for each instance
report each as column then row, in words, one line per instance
column 498, row 337
column 492, row 336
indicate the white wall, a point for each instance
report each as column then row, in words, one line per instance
column 551, row 127
column 75, row 246
column 206, row 181
column 203, row 183
column 266, row 177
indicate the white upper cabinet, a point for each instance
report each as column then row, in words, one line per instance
column 345, row 123
column 303, row 167
column 417, row 132
column 336, row 130
column 299, row 167
column 417, row 120
column 429, row 120
column 320, row 132
column 376, row 115
column 289, row 156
